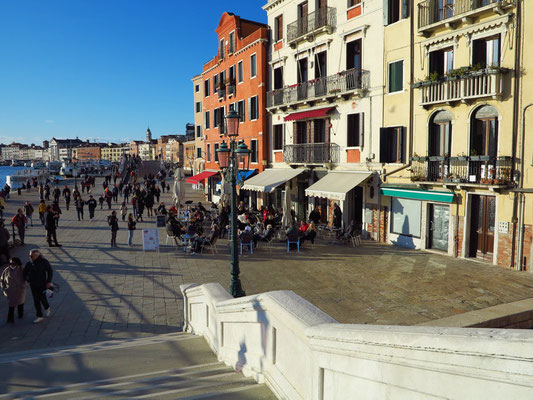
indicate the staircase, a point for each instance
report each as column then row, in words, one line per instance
column 172, row 366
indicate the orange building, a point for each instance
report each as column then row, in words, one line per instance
column 88, row 151
column 237, row 78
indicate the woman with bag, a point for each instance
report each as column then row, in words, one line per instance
column 14, row 287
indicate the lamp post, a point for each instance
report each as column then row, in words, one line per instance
column 229, row 158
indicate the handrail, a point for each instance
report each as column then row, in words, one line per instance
column 322, row 17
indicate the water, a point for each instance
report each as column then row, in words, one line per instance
column 5, row 171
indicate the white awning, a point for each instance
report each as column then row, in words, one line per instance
column 335, row 185
column 269, row 179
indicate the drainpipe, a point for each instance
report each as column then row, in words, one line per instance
column 521, row 195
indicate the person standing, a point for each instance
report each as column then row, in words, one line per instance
column 108, row 197
column 123, row 210
column 337, row 216
column 57, row 211
column 131, row 228
column 79, row 207
column 20, row 221
column 101, row 201
column 91, row 203
column 14, row 287
column 113, row 223
column 57, row 194
column 4, row 241
column 42, row 210
column 66, row 195
column 38, row 272
column 50, row 226
column 28, row 211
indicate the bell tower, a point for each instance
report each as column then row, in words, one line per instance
column 148, row 135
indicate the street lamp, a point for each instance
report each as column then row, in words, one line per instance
column 229, row 159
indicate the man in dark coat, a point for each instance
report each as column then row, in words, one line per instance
column 337, row 216
column 91, row 203
column 38, row 273
column 50, row 226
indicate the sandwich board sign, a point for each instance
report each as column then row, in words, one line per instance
column 151, row 239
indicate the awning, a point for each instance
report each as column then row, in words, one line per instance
column 335, row 185
column 195, row 179
column 268, row 180
column 320, row 112
column 243, row 175
column 431, row 195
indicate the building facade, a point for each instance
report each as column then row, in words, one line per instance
column 62, row 148
column 198, row 88
column 88, row 151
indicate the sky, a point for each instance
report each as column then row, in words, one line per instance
column 105, row 70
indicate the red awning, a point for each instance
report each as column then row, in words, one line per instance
column 321, row 112
column 200, row 177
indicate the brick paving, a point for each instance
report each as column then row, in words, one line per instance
column 124, row 292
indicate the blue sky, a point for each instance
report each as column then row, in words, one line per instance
column 104, row 69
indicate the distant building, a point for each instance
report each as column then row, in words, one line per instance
column 62, row 148
column 88, row 151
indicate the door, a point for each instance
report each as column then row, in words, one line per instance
column 353, row 64
column 321, row 14
column 320, row 73
column 303, row 77
column 482, row 225
column 278, row 84
column 439, row 218
column 302, row 18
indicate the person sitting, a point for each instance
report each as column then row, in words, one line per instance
column 265, row 236
column 310, row 233
column 303, row 227
column 246, row 236
column 211, row 239
column 174, row 226
column 293, row 235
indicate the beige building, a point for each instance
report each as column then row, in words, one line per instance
column 198, row 85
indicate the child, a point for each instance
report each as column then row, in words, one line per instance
column 101, row 201
column 123, row 210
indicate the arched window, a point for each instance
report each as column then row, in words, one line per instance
column 440, row 134
column 484, row 132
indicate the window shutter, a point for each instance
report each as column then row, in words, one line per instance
column 361, row 129
column 405, row 9
column 250, row 108
column 385, row 12
column 383, row 144
column 403, row 144
column 283, row 136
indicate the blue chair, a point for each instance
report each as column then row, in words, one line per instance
column 293, row 239
column 247, row 241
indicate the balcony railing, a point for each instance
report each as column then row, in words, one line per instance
column 311, row 153
column 332, row 85
column 322, row 18
column 485, row 170
column 231, row 89
column 485, row 83
column 434, row 11
column 221, row 91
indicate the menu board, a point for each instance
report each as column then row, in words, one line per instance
column 151, row 239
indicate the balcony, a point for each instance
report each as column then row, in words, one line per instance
column 474, row 85
column 463, row 170
column 343, row 83
column 433, row 13
column 311, row 153
column 221, row 91
column 305, row 28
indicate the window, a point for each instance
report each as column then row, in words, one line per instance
column 206, row 87
column 231, row 107
column 440, row 130
column 231, row 75
column 198, row 152
column 222, row 49
column 355, row 130
column 352, row 3
column 196, row 88
column 486, row 52
column 253, row 110
column 484, row 132
column 206, row 119
column 215, row 82
column 441, row 61
column 278, row 28
column 406, row 216
column 241, row 110
column 396, row 76
column 215, row 152
column 277, row 137
column 444, row 9
column 231, row 45
column 198, row 131
column 392, row 145
column 218, row 118
column 253, row 151
column 253, row 66
column 198, row 107
column 208, row 152
column 240, row 71
column 394, row 10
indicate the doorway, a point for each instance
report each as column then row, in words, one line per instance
column 482, row 226
column 354, row 212
column 439, row 219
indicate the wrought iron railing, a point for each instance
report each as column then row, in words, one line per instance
column 433, row 11
column 323, row 17
column 483, row 83
column 311, row 153
column 221, row 91
column 231, row 89
column 485, row 170
column 340, row 83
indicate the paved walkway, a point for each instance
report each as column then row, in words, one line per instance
column 108, row 293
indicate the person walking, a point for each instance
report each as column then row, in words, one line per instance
column 123, row 210
column 140, row 208
column 57, row 211
column 101, row 201
column 38, row 272
column 14, row 287
column 79, row 207
column 20, row 221
column 113, row 223
column 131, row 228
column 91, row 203
column 50, row 226
column 66, row 195
column 28, row 211
column 42, row 210
column 108, row 197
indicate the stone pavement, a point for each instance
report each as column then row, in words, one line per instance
column 109, row 293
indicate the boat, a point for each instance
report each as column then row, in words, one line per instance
column 54, row 167
column 17, row 163
column 38, row 165
column 22, row 176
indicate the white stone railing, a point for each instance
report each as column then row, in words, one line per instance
column 302, row 353
column 483, row 84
